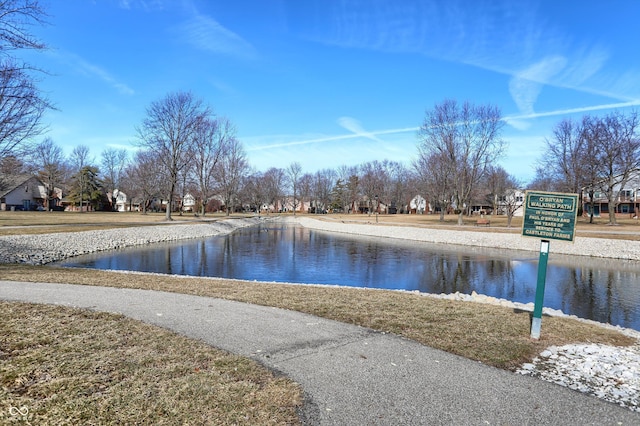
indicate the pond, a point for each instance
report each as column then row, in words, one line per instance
column 602, row 290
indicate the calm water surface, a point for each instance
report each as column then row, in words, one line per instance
column 602, row 290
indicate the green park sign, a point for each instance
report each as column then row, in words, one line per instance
column 550, row 215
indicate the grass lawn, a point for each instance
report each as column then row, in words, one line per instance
column 491, row 334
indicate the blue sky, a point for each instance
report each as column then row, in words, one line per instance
column 329, row 83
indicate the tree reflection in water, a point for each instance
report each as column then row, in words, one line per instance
column 602, row 290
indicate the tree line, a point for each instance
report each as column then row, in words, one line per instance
column 183, row 147
column 593, row 154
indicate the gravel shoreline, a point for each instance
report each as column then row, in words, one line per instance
column 617, row 379
column 591, row 247
column 47, row 248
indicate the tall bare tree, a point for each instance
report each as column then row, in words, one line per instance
column 397, row 184
column 233, row 168
column 212, row 139
column 434, row 179
column 114, row 162
column 50, row 160
column 467, row 139
column 22, row 104
column 169, row 131
column 80, row 162
column 503, row 192
column 144, row 174
column 565, row 156
column 274, row 186
column 371, row 179
column 348, row 188
column 322, row 184
column 254, row 191
column 495, row 184
column 294, row 173
column 306, row 189
column 617, row 144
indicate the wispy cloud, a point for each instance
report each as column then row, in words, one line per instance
column 84, row 67
column 205, row 33
column 507, row 37
column 142, row 4
column 525, row 85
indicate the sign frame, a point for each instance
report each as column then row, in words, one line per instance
column 550, row 215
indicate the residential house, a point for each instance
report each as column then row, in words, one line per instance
column 123, row 203
column 512, row 202
column 627, row 199
column 418, row 205
column 25, row 192
column 188, row 203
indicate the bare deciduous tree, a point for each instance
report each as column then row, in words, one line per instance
column 145, row 175
column 371, row 181
column 503, row 191
column 21, row 103
column 565, row 155
column 466, row 138
column 233, row 168
column 114, row 162
column 254, row 191
column 50, row 160
column 169, row 131
column 322, row 184
column 81, row 162
column 212, row 139
column 274, row 187
column 495, row 185
column 294, row 172
column 434, row 180
column 616, row 143
column 306, row 189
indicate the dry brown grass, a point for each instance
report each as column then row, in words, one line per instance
column 491, row 334
column 69, row 366
column 15, row 223
column 628, row 228
column 494, row 335
column 18, row 223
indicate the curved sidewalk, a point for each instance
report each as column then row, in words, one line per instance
column 350, row 375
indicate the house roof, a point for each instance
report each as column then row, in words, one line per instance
column 8, row 183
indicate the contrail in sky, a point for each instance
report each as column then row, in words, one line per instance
column 415, row 129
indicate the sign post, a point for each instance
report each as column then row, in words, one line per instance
column 549, row 216
column 536, row 322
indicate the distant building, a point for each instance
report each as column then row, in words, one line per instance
column 418, row 205
column 188, row 202
column 24, row 192
column 627, row 198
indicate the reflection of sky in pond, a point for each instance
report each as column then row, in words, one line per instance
column 603, row 290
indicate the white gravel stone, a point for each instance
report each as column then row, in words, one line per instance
column 610, row 373
column 47, row 248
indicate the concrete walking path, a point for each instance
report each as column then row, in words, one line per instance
column 351, row 375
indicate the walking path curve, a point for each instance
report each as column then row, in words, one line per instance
column 351, row 375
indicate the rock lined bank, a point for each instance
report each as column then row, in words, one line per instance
column 47, row 248
column 592, row 247
column 606, row 372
